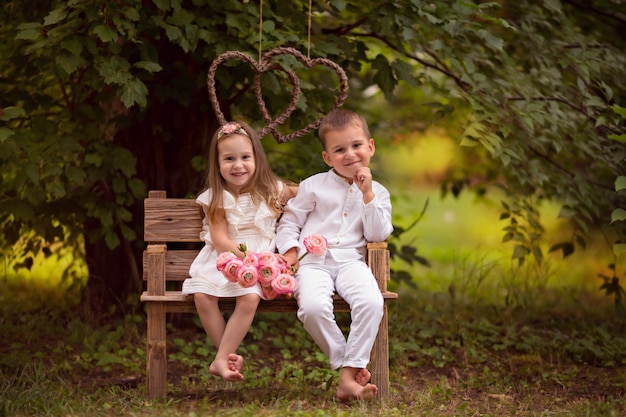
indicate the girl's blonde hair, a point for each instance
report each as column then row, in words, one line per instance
column 263, row 186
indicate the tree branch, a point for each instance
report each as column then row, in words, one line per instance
column 620, row 18
column 440, row 68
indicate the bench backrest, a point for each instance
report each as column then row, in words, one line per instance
column 172, row 220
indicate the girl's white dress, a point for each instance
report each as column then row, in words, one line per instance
column 247, row 223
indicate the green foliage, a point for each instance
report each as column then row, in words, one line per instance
column 533, row 90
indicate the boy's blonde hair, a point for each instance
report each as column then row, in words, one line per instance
column 340, row 119
column 263, row 186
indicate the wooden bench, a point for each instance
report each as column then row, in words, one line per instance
column 169, row 221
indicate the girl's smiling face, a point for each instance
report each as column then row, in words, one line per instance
column 347, row 150
column 236, row 160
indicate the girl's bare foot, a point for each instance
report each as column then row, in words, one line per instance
column 222, row 367
column 235, row 362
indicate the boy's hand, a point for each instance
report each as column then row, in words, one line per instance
column 291, row 257
column 363, row 180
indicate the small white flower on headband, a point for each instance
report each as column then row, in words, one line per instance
column 231, row 128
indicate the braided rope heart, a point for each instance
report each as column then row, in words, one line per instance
column 259, row 67
column 264, row 65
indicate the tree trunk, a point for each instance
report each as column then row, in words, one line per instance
column 164, row 139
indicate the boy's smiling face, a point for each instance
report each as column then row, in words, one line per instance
column 347, row 150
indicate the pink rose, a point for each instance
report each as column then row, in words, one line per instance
column 230, row 269
column 282, row 266
column 284, row 284
column 315, row 244
column 268, row 292
column 223, row 258
column 247, row 275
column 251, row 259
column 267, row 258
column 267, row 273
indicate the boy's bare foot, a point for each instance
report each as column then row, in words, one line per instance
column 356, row 391
column 222, row 367
column 363, row 377
column 235, row 362
column 353, row 385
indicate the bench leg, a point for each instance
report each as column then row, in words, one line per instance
column 156, row 353
column 380, row 358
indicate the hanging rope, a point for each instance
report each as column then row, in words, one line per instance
column 260, row 29
column 263, row 65
column 308, row 40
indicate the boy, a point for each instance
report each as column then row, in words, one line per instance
column 349, row 209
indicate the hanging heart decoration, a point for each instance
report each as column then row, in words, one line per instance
column 265, row 65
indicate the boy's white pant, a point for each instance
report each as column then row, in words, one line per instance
column 355, row 283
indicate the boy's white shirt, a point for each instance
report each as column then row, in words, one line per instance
column 327, row 205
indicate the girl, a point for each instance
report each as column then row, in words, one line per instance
column 241, row 205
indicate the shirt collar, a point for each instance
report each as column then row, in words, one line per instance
column 339, row 178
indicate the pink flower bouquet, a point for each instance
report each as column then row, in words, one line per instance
column 266, row 268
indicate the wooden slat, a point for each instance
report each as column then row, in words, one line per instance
column 177, row 302
column 172, row 220
column 177, row 263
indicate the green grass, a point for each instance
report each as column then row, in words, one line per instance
column 449, row 357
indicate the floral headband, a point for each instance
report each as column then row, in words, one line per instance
column 231, row 128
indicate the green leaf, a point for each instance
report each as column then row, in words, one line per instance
column 12, row 112
column 384, row 76
column 76, row 175
column 173, row 33
column 181, row 17
column 131, row 14
column 619, row 248
column 55, row 16
column 404, row 71
column 68, row 62
column 619, row 138
column 29, row 34
column 5, row 133
column 553, row 5
column 338, row 4
column 618, row 215
column 94, row 159
column 520, row 252
column 32, row 171
column 72, row 45
column 492, row 40
column 619, row 110
column 162, row 4
column 467, row 141
column 105, row 33
column 111, row 239
column 536, row 251
column 620, row 183
column 566, row 247
column 148, row 66
column 134, row 91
